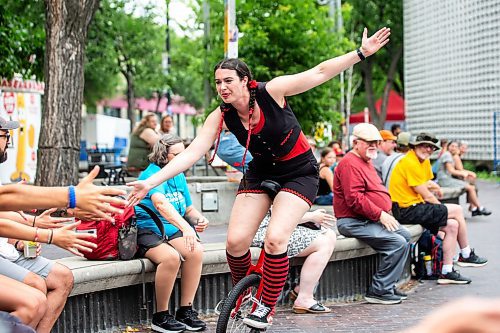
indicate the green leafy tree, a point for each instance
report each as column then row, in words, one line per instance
column 284, row 37
column 120, row 42
column 383, row 72
column 185, row 75
column 22, row 38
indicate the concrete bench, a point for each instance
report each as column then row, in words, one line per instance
column 110, row 294
column 451, row 194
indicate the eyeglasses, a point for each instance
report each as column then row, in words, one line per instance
column 426, row 137
column 5, row 136
column 371, row 143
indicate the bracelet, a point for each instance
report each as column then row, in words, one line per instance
column 360, row 54
column 36, row 235
column 72, row 197
column 16, row 244
column 34, row 218
column 51, row 235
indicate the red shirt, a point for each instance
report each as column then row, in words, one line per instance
column 358, row 191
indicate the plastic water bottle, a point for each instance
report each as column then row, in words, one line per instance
column 30, row 249
column 428, row 264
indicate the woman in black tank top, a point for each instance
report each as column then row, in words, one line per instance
column 325, row 194
column 261, row 119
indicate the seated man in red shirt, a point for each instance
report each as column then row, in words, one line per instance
column 363, row 209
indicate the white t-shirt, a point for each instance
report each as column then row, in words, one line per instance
column 8, row 251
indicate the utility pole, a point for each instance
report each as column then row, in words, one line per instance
column 230, row 30
column 206, row 43
column 335, row 7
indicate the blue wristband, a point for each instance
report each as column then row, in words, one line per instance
column 72, row 197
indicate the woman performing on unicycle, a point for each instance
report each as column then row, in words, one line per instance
column 262, row 120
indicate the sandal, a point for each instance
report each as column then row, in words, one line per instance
column 292, row 295
column 316, row 308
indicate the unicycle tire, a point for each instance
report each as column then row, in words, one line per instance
column 227, row 324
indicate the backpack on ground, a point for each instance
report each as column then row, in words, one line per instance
column 427, row 245
column 118, row 239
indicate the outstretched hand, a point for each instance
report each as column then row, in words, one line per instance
column 67, row 239
column 371, row 45
column 98, row 199
column 46, row 221
column 140, row 190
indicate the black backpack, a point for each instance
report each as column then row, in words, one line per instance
column 427, row 244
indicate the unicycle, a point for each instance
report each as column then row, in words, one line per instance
column 241, row 301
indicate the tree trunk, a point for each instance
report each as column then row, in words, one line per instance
column 388, row 85
column 66, row 27
column 366, row 69
column 378, row 119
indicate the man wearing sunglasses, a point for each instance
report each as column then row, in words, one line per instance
column 412, row 190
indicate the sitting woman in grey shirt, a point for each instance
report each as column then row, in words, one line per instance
column 449, row 176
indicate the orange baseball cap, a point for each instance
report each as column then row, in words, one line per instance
column 387, row 135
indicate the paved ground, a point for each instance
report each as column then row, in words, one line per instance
column 484, row 233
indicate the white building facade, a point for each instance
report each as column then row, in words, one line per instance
column 452, row 70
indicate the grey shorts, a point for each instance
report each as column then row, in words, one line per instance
column 19, row 268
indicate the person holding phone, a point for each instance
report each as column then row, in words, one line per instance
column 180, row 246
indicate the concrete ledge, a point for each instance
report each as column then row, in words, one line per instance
column 94, row 276
column 452, row 194
column 109, row 295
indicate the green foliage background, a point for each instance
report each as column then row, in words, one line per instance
column 22, row 35
column 276, row 38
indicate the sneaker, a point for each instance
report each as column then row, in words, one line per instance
column 475, row 212
column 473, row 260
column 401, row 294
column 190, row 319
column 453, row 277
column 480, row 211
column 484, row 211
column 382, row 299
column 166, row 323
column 261, row 318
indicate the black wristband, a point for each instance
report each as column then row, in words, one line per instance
column 360, row 54
column 15, row 245
column 34, row 219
